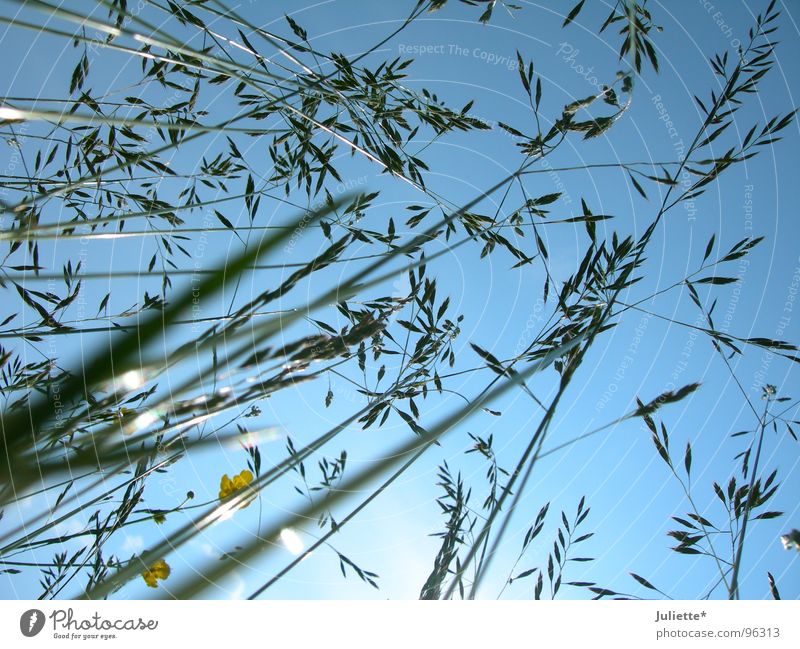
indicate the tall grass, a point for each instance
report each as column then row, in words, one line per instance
column 108, row 164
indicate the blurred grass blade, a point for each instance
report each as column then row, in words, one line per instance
column 19, row 429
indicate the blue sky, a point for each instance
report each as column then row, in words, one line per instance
column 628, row 487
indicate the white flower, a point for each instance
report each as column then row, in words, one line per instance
column 791, row 540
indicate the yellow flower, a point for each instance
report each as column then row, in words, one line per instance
column 228, row 487
column 159, row 570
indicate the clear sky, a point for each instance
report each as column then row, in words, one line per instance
column 629, row 489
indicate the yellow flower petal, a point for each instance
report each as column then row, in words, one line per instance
column 159, row 570
column 225, row 487
column 242, row 480
column 228, row 487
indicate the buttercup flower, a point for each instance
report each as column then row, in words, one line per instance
column 159, row 570
column 228, row 487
